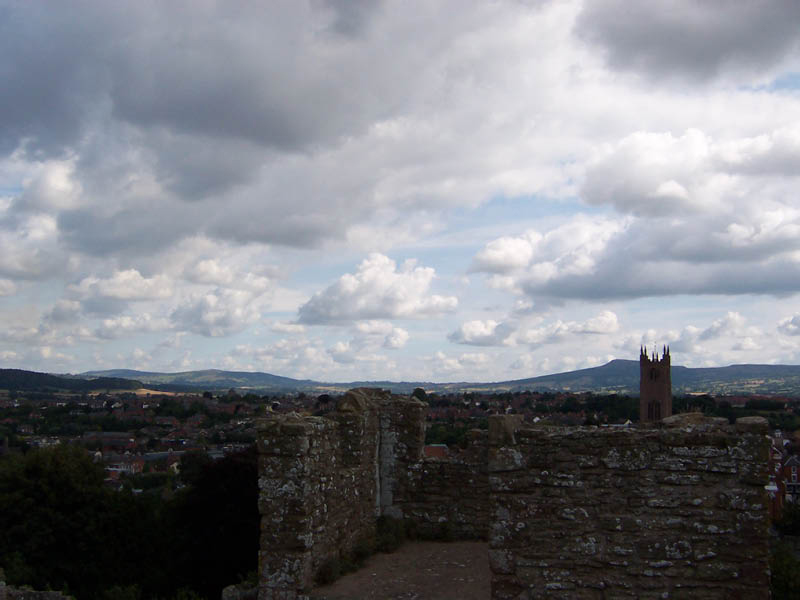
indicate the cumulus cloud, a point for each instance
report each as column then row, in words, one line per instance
column 378, row 290
column 725, row 336
column 494, row 333
column 218, row 313
column 396, row 338
column 212, row 271
column 481, row 333
column 604, row 323
column 506, row 253
column 124, row 285
column 125, row 325
column 284, row 327
column 790, row 325
column 445, row 363
column 29, row 247
column 723, row 247
column 342, row 353
column 64, row 311
column 731, row 322
column 7, row 287
column 164, row 187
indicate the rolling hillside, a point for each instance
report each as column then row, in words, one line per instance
column 17, row 379
column 617, row 376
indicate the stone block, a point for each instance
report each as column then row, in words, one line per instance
column 752, row 425
column 502, row 429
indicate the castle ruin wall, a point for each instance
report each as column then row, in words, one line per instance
column 323, row 481
column 581, row 512
column 675, row 512
column 449, row 498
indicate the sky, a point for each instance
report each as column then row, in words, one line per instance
column 421, row 190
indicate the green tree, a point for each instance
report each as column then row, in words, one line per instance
column 213, row 526
column 60, row 528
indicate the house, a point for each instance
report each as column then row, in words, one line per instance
column 790, row 477
column 439, row 451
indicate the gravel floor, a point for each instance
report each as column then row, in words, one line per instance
column 418, row 571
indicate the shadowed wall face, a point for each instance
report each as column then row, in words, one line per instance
column 323, row 481
column 629, row 513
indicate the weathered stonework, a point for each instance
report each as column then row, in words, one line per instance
column 673, row 512
column 324, row 480
column 12, row 593
column 676, row 512
column 449, row 498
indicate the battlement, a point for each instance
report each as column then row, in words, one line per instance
column 581, row 512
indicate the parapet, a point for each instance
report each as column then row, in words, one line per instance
column 323, row 481
column 674, row 511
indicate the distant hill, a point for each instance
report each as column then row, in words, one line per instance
column 622, row 376
column 617, row 376
column 211, row 379
column 16, row 379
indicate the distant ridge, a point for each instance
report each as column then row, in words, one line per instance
column 618, row 376
column 211, row 379
column 17, row 379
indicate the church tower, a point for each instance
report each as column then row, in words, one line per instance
column 655, row 386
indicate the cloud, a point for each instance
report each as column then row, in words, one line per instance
column 731, row 322
column 7, row 287
column 651, row 174
column 693, row 40
column 721, row 244
column 790, row 325
column 451, row 364
column 167, row 175
column 481, row 333
column 212, row 271
column 396, row 339
column 494, row 333
column 377, row 290
column 217, row 313
column 123, row 326
column 604, row 323
column 342, row 353
column 64, row 311
column 124, row 285
column 725, row 337
column 29, row 247
column 284, row 327
column 506, row 254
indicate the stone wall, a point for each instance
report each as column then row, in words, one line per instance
column 675, row 512
column 323, row 481
column 12, row 593
column 449, row 498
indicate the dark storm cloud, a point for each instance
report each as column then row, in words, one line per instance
column 220, row 72
column 352, row 16
column 145, row 229
column 623, row 280
column 691, row 39
column 51, row 72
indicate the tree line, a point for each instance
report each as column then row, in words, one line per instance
column 62, row 528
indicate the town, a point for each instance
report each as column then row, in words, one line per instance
column 138, row 434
